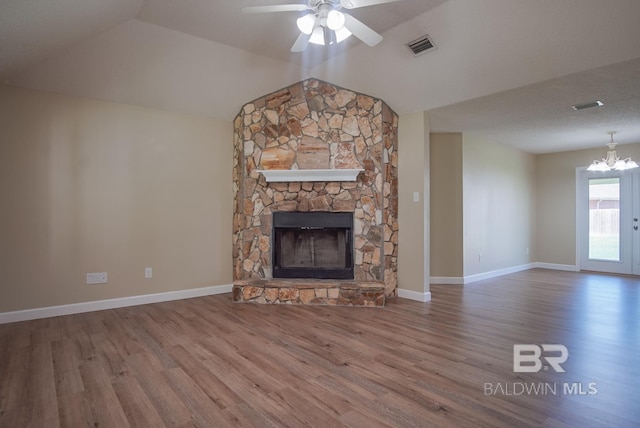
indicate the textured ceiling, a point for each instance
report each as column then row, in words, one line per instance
column 506, row 70
column 34, row 29
column 538, row 118
column 270, row 34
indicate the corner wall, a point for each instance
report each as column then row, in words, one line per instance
column 91, row 186
column 413, row 216
column 446, row 206
column 499, row 207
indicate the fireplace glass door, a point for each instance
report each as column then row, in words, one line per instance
column 313, row 245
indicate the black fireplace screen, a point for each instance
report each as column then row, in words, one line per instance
column 313, row 245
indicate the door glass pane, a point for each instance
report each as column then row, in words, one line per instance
column 604, row 218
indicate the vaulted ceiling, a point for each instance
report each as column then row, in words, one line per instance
column 507, row 70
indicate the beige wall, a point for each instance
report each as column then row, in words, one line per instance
column 89, row 186
column 499, row 203
column 556, row 200
column 446, row 205
column 413, row 217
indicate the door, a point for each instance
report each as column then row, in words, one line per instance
column 608, row 210
column 635, row 222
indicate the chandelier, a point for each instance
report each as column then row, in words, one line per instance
column 612, row 161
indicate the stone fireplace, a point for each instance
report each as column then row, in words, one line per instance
column 315, row 197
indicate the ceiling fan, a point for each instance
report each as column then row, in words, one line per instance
column 325, row 24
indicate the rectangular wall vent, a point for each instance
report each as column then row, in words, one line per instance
column 421, row 45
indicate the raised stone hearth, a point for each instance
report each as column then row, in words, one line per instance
column 315, row 126
column 309, row 292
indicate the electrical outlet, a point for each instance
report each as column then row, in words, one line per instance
column 148, row 273
column 97, row 278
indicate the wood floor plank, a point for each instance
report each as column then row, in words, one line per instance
column 66, row 363
column 356, row 419
column 75, row 410
column 42, row 386
column 222, row 349
column 209, row 362
column 13, row 391
column 219, row 393
column 306, row 408
column 203, row 413
column 34, row 400
column 100, row 400
column 136, row 405
column 247, row 415
column 158, row 389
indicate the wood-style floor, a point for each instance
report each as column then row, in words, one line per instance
column 207, row 362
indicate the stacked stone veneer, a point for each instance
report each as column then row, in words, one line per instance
column 316, row 125
column 309, row 292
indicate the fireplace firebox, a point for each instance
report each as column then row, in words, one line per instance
column 313, row 245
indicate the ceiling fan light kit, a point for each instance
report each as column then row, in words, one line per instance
column 335, row 20
column 316, row 27
column 612, row 161
column 317, row 37
column 305, row 23
column 342, row 34
column 326, row 24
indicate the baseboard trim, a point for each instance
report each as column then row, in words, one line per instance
column 121, row 302
column 456, row 280
column 98, row 305
column 414, row 295
column 555, row 266
column 496, row 273
column 447, row 280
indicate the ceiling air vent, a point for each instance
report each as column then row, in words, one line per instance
column 578, row 107
column 421, row 45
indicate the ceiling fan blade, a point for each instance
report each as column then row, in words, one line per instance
column 361, row 31
column 275, row 8
column 301, row 42
column 353, row 4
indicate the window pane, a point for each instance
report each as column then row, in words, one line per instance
column 604, row 219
